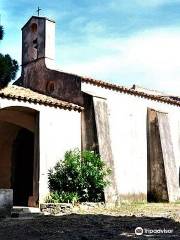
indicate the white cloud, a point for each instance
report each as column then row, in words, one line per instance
column 150, row 58
column 155, row 3
column 116, row 4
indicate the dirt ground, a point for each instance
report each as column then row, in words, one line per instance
column 98, row 223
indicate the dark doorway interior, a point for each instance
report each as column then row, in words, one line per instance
column 22, row 167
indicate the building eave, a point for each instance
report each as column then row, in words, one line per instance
column 27, row 95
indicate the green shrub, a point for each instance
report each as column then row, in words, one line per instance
column 62, row 197
column 80, row 173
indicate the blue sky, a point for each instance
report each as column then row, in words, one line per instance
column 122, row 41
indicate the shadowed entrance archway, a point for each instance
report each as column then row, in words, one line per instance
column 22, row 167
column 19, row 158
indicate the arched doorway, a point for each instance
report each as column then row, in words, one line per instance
column 19, row 158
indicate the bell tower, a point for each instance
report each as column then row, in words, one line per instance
column 38, row 40
column 39, row 72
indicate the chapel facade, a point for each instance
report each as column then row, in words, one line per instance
column 47, row 112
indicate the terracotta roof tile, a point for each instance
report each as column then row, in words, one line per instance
column 24, row 94
column 130, row 91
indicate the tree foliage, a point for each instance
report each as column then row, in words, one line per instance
column 8, row 66
column 80, row 173
column 8, row 69
column 1, row 32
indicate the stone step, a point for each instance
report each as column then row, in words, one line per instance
column 24, row 212
column 26, row 209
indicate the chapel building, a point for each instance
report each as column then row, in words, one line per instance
column 47, row 112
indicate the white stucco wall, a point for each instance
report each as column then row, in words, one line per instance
column 59, row 131
column 128, row 129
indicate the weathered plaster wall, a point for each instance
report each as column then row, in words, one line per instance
column 128, row 132
column 38, row 40
column 157, row 183
column 59, row 131
column 163, row 182
column 88, row 126
column 104, row 143
column 38, row 77
column 170, row 165
column 24, row 119
column 33, row 40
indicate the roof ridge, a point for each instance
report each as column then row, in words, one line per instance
column 130, row 91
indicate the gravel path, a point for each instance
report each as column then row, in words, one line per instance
column 86, row 227
column 158, row 221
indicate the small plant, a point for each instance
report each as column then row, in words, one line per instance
column 79, row 176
